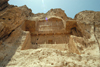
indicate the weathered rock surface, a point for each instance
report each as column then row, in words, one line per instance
column 3, row 4
column 12, row 24
column 26, row 10
column 48, row 40
column 10, row 20
column 51, row 58
column 57, row 12
column 48, row 21
column 90, row 23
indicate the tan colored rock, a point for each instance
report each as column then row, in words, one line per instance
column 72, row 46
column 89, row 21
column 10, row 20
column 27, row 42
column 14, row 36
column 26, row 10
column 51, row 13
column 81, row 46
column 11, row 32
column 47, row 57
column 53, row 25
column 30, row 26
column 50, row 35
column 70, row 24
column 57, row 12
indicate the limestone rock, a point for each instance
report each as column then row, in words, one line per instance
column 27, row 42
column 79, row 46
column 48, row 39
column 73, row 46
column 51, row 58
column 30, row 26
column 10, row 20
column 14, row 36
column 51, row 13
column 26, row 10
column 18, row 40
column 3, row 4
column 70, row 24
column 57, row 12
column 91, row 22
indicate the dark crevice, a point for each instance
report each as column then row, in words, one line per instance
column 11, row 32
column 95, row 35
column 61, row 17
column 3, row 3
column 1, row 30
column 74, row 28
column 94, row 26
column 76, row 32
column 3, row 6
column 6, row 36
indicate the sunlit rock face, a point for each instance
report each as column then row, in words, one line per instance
column 10, row 20
column 26, row 11
column 12, row 24
column 48, row 40
column 90, row 21
column 57, row 12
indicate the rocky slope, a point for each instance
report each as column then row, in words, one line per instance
column 17, row 25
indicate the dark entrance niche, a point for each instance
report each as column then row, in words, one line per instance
column 50, row 41
column 74, row 28
column 76, row 32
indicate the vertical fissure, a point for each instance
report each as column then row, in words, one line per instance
column 95, row 36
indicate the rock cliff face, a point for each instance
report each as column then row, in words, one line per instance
column 10, row 21
column 3, row 4
column 91, row 21
column 48, row 40
column 12, row 34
